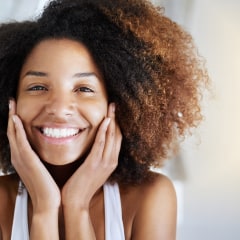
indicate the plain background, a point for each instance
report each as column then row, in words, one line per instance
column 207, row 171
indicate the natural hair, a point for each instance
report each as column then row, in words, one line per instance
column 150, row 66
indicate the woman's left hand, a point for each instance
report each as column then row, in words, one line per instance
column 97, row 167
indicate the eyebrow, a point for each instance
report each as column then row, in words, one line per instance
column 85, row 74
column 76, row 75
column 35, row 73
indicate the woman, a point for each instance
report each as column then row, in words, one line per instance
column 96, row 97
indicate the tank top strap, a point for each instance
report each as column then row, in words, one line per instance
column 20, row 219
column 114, row 228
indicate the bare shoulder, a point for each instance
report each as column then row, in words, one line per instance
column 8, row 192
column 157, row 194
column 160, row 182
column 160, row 189
column 156, row 211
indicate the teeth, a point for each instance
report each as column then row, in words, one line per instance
column 59, row 132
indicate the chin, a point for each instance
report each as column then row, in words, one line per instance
column 61, row 160
column 63, row 165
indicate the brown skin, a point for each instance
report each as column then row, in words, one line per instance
column 57, row 204
column 8, row 192
column 135, row 208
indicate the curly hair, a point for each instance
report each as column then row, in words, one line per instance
column 150, row 66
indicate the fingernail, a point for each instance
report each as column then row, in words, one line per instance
column 108, row 121
column 14, row 118
column 10, row 104
column 113, row 107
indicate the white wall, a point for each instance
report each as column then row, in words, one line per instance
column 20, row 9
column 211, row 191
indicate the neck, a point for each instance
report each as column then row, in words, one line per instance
column 63, row 172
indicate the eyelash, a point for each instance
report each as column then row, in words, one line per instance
column 42, row 88
column 37, row 88
column 85, row 89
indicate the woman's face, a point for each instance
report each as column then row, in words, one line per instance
column 61, row 100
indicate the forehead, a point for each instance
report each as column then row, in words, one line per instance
column 60, row 53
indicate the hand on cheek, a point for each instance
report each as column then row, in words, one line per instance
column 98, row 166
column 88, row 178
column 43, row 190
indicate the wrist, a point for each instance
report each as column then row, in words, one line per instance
column 78, row 224
column 45, row 209
column 44, row 225
column 74, row 203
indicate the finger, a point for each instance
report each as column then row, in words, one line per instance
column 99, row 143
column 117, row 135
column 111, row 110
column 110, row 136
column 11, row 133
column 16, row 144
column 118, row 142
column 27, row 160
column 20, row 133
column 12, row 106
column 20, row 147
column 11, row 127
column 15, row 127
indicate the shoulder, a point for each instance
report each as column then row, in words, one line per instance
column 161, row 189
column 155, row 208
column 158, row 195
column 159, row 183
column 8, row 192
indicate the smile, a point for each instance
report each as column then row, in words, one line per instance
column 59, row 132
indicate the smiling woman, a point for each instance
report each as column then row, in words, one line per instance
column 61, row 100
column 92, row 98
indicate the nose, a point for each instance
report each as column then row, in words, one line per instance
column 59, row 105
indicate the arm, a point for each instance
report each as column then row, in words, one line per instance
column 3, row 206
column 42, row 189
column 90, row 177
column 8, row 192
column 45, row 225
column 156, row 216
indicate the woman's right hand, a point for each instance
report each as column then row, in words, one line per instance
column 43, row 191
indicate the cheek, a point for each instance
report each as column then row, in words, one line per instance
column 25, row 109
column 22, row 108
column 97, row 114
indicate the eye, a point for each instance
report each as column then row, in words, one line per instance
column 37, row 88
column 85, row 89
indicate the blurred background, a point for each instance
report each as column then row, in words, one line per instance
column 206, row 173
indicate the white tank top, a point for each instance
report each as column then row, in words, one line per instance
column 114, row 229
